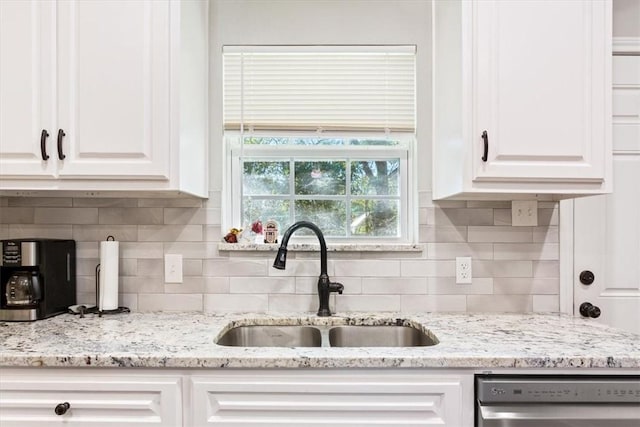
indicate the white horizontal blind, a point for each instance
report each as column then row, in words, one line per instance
column 287, row 88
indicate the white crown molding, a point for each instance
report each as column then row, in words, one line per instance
column 626, row 45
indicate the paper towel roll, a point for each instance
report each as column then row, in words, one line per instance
column 109, row 257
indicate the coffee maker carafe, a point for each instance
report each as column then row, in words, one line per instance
column 37, row 278
column 23, row 289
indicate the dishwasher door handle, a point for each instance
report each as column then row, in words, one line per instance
column 514, row 415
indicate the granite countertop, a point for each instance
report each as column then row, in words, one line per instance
column 186, row 340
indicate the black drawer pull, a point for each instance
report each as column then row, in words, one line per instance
column 485, row 137
column 61, row 133
column 43, row 144
column 62, row 408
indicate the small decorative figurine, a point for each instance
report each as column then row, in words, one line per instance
column 256, row 232
column 256, row 227
column 271, row 232
column 232, row 235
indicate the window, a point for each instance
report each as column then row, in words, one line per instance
column 324, row 134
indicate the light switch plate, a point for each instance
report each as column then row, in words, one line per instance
column 524, row 213
column 173, row 268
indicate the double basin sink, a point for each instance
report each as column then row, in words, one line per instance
column 327, row 336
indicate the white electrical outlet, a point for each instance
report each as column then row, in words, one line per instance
column 524, row 213
column 173, row 268
column 463, row 270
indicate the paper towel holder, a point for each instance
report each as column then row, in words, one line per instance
column 97, row 307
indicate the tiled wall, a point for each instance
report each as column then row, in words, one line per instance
column 514, row 268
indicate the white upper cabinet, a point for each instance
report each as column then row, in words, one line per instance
column 113, row 88
column 120, row 87
column 27, row 69
column 530, row 83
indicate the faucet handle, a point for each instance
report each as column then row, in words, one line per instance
column 336, row 287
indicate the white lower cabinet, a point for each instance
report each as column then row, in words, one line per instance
column 235, row 397
column 31, row 397
column 331, row 398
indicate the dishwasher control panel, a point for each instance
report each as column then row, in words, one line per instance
column 558, row 388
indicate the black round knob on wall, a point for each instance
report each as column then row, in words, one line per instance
column 589, row 310
column 587, row 277
column 62, row 408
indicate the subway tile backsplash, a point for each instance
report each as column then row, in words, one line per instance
column 515, row 269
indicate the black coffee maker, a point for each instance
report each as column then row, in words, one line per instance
column 37, row 278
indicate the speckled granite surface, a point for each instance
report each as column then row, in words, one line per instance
column 186, row 340
column 331, row 247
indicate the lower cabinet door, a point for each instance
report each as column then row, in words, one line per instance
column 27, row 400
column 326, row 399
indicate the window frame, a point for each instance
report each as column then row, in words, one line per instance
column 233, row 169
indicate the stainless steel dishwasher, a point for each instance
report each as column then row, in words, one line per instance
column 557, row 401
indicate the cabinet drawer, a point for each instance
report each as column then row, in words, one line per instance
column 95, row 401
column 349, row 399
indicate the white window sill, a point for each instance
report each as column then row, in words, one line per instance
column 331, row 247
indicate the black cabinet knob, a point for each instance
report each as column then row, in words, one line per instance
column 587, row 277
column 62, row 408
column 589, row 310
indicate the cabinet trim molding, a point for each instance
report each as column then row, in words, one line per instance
column 626, row 45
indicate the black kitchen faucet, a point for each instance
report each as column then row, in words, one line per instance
column 325, row 286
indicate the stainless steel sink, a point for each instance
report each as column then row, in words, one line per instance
column 326, row 336
column 272, row 336
column 379, row 336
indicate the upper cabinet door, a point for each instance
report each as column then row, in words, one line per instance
column 113, row 89
column 541, row 70
column 27, row 72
